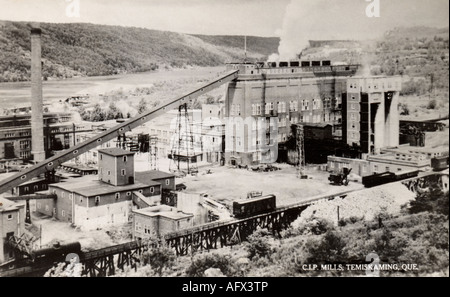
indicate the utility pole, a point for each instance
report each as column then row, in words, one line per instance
column 301, row 152
column 245, row 48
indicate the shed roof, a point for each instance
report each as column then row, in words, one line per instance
column 115, row 151
column 145, row 176
column 89, row 186
column 163, row 211
column 7, row 205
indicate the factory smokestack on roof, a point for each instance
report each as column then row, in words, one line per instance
column 37, row 121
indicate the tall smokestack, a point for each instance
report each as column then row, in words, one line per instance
column 37, row 118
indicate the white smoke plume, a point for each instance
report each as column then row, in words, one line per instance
column 306, row 20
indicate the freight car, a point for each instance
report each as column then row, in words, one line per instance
column 56, row 253
column 254, row 206
column 439, row 163
column 387, row 177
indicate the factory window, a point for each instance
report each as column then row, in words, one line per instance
column 167, row 182
column 10, row 217
column 124, row 158
column 305, row 105
column 258, row 109
column 97, row 200
column 291, row 106
column 63, row 213
column 47, row 208
column 123, row 172
column 36, row 188
column 70, row 196
column 101, row 156
column 81, row 199
column 117, row 196
column 109, row 172
column 238, row 109
column 316, row 103
column 152, row 190
column 62, row 194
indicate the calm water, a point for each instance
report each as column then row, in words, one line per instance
column 18, row 94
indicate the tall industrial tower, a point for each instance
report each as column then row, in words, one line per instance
column 183, row 149
column 37, row 118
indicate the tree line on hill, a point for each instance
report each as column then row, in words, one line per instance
column 90, row 50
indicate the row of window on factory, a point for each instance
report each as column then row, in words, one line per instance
column 283, row 121
column 281, row 107
column 376, row 86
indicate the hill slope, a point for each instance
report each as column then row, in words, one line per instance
column 86, row 49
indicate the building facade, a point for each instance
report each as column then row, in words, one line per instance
column 94, row 201
column 60, row 132
column 12, row 223
column 267, row 98
column 153, row 222
column 370, row 113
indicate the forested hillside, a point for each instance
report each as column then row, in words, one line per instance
column 88, row 50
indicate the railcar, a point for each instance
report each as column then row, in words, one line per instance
column 254, row 206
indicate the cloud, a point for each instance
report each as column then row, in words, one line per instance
column 306, row 20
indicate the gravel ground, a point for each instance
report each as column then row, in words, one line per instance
column 363, row 204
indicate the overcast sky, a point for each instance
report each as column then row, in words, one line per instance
column 233, row 17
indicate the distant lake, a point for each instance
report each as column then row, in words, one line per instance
column 17, row 94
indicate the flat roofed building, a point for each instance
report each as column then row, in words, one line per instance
column 159, row 220
column 94, row 201
column 116, row 166
column 167, row 180
column 267, row 98
column 90, row 203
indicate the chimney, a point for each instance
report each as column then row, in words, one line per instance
column 37, row 119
